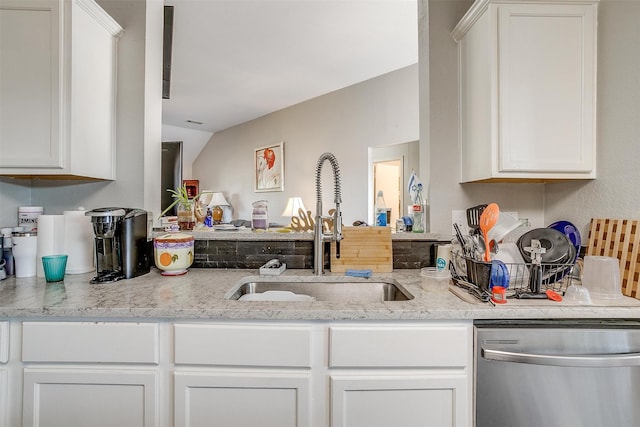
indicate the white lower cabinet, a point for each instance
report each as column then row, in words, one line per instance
column 90, row 374
column 236, row 373
column 246, row 375
column 376, row 400
column 90, row 397
column 265, row 399
column 4, row 397
column 401, row 375
column 4, row 374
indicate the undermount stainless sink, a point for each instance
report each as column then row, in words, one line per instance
column 338, row 289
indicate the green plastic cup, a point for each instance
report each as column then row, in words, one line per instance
column 54, row 266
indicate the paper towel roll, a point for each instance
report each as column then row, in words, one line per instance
column 78, row 242
column 50, row 238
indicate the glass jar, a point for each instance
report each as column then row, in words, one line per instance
column 186, row 216
column 260, row 215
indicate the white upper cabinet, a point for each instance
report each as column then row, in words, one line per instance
column 57, row 89
column 527, row 88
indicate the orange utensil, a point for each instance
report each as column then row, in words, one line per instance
column 488, row 219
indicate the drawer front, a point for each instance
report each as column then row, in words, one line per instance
column 4, row 342
column 243, row 345
column 401, row 346
column 90, row 342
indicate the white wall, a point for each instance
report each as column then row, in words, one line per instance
column 380, row 111
column 193, row 142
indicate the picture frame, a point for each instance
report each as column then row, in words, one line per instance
column 268, row 163
column 192, row 186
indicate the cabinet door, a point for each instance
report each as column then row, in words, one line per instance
column 546, row 69
column 90, row 398
column 30, row 76
column 4, row 397
column 407, row 401
column 243, row 399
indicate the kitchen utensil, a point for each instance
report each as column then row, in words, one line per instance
column 553, row 295
column 488, row 219
column 535, row 273
column 556, row 244
column 510, row 255
column 570, row 231
column 473, row 218
column 498, row 295
column 499, row 274
column 505, row 225
column 461, row 239
column 54, row 267
column 434, row 279
column 601, row 276
column 577, row 295
column 619, row 238
column 363, row 248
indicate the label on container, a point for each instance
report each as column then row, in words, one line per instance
column 28, row 217
column 381, row 218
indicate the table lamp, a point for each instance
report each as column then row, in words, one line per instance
column 216, row 203
column 294, row 204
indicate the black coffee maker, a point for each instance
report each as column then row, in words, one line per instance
column 120, row 242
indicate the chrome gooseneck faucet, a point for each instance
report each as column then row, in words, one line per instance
column 319, row 235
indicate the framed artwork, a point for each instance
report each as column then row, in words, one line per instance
column 269, row 168
column 192, row 186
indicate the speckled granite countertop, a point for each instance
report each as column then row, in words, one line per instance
column 200, row 294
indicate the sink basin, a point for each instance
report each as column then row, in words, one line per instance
column 338, row 289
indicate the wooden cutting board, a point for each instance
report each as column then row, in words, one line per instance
column 618, row 238
column 363, row 248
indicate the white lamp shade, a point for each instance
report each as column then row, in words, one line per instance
column 212, row 199
column 294, row 204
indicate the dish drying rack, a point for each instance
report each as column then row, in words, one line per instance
column 475, row 277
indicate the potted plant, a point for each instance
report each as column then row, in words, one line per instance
column 186, row 214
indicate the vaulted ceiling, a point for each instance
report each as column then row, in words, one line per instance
column 236, row 60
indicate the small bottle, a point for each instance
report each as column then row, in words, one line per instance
column 381, row 210
column 7, row 251
column 418, row 223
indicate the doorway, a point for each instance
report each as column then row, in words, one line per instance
column 387, row 177
column 389, row 170
column 171, row 172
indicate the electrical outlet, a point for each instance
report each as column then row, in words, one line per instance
column 460, row 218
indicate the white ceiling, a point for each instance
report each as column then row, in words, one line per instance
column 236, row 60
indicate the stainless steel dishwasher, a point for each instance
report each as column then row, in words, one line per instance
column 557, row 373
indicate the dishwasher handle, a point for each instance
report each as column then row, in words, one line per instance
column 614, row 360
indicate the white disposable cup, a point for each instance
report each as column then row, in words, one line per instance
column 443, row 257
column 25, row 255
column 601, row 276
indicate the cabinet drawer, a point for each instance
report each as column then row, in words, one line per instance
column 243, row 345
column 400, row 346
column 4, row 342
column 90, row 342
